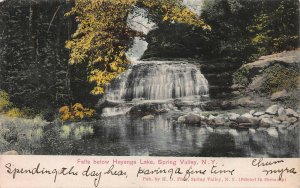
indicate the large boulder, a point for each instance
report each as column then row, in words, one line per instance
column 282, row 118
column 292, row 120
column 279, row 95
column 273, row 109
column 271, row 78
column 246, row 102
column 266, row 122
column 289, row 58
column 147, row 109
column 257, row 82
column 181, row 119
column 291, row 112
column 190, row 118
column 219, row 121
column 281, row 111
column 233, row 116
column 247, row 120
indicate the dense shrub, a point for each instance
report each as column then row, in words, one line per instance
column 75, row 112
column 9, row 109
column 4, row 101
column 241, row 76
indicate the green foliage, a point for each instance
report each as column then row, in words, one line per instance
column 9, row 109
column 241, row 76
column 279, row 78
column 34, row 69
column 103, row 35
column 4, row 101
column 244, row 30
column 14, row 112
column 229, row 20
column 275, row 29
column 22, row 135
column 241, row 31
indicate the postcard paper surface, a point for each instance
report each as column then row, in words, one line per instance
column 92, row 171
column 141, row 93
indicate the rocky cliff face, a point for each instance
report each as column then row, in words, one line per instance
column 219, row 73
column 173, row 41
column 272, row 79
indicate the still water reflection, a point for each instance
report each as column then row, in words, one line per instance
column 125, row 135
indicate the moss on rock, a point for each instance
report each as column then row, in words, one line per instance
column 279, row 78
column 242, row 76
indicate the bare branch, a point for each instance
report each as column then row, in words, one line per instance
column 53, row 17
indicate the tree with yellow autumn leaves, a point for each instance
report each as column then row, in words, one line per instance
column 103, row 35
column 75, row 112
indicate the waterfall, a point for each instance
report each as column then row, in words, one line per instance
column 156, row 82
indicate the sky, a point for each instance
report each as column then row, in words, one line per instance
column 195, row 5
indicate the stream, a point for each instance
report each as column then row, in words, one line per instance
column 163, row 136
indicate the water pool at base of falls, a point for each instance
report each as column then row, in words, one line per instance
column 163, row 136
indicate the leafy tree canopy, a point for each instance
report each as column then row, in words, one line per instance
column 103, row 35
column 248, row 29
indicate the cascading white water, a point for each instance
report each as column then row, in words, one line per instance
column 158, row 81
column 155, row 82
